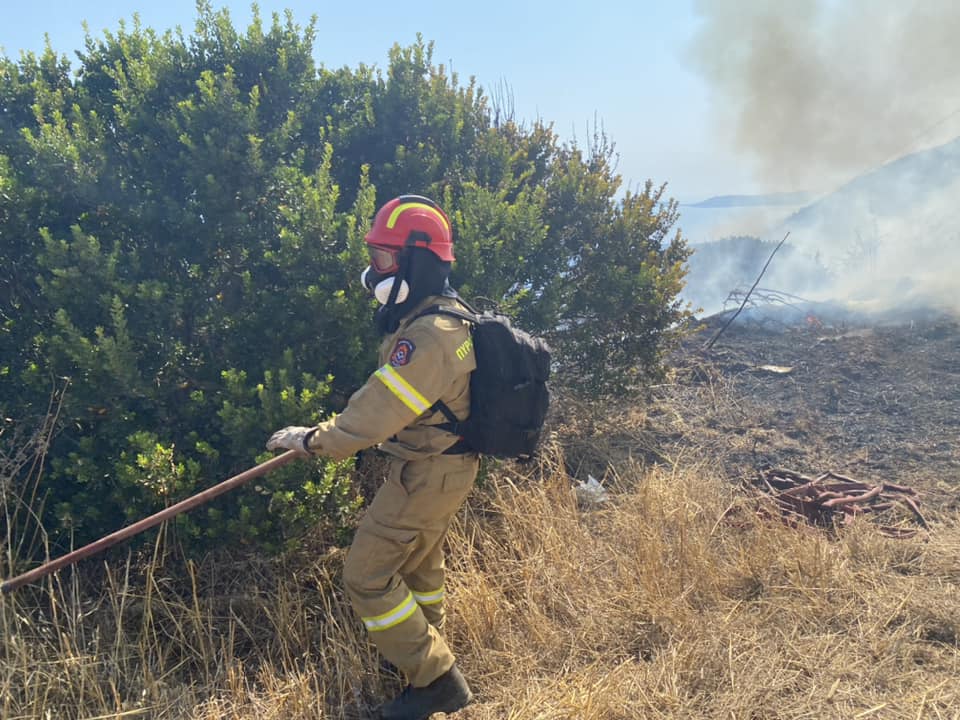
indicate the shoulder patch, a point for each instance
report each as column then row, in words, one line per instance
column 402, row 352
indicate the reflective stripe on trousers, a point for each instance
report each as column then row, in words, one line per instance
column 394, row 571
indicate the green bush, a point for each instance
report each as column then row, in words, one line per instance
column 182, row 221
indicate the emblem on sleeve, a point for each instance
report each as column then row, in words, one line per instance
column 402, row 352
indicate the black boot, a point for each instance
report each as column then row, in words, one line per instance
column 447, row 693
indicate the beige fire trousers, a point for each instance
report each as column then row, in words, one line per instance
column 394, row 571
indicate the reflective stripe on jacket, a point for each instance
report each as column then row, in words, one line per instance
column 427, row 359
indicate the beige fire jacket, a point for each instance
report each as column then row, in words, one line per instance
column 425, row 360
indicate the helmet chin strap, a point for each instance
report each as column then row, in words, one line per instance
column 385, row 288
column 386, row 317
column 402, row 260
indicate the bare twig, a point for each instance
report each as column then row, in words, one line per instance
column 714, row 339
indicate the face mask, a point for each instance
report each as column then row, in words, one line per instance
column 381, row 286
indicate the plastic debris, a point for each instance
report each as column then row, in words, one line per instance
column 591, row 492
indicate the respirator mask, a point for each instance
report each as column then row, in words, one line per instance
column 381, row 285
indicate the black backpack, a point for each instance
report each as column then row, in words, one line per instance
column 508, row 390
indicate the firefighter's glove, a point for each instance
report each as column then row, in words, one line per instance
column 292, row 437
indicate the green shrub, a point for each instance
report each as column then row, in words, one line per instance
column 182, row 223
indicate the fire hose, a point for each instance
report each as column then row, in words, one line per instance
column 155, row 519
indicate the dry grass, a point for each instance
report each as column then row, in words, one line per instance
column 650, row 609
column 646, row 607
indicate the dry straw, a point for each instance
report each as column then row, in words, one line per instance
column 643, row 607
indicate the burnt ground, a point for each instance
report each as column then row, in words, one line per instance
column 874, row 400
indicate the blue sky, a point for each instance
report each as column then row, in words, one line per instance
column 624, row 63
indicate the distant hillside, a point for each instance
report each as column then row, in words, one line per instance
column 767, row 200
column 892, row 190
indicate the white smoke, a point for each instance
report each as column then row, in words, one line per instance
column 814, row 93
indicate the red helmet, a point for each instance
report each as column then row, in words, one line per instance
column 408, row 221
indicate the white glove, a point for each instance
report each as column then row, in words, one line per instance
column 292, row 437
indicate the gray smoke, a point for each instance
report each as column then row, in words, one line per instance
column 813, row 94
column 816, row 92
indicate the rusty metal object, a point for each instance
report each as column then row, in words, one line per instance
column 149, row 522
column 831, row 500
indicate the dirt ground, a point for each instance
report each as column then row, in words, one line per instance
column 876, row 399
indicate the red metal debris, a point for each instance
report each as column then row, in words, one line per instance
column 831, row 500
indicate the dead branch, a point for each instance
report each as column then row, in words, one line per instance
column 745, row 299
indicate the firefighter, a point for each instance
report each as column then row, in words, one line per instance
column 394, row 570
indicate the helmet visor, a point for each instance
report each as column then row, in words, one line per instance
column 383, row 260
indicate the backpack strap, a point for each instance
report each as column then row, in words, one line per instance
column 454, row 424
column 451, row 312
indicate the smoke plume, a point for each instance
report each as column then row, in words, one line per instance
column 824, row 95
column 816, row 92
